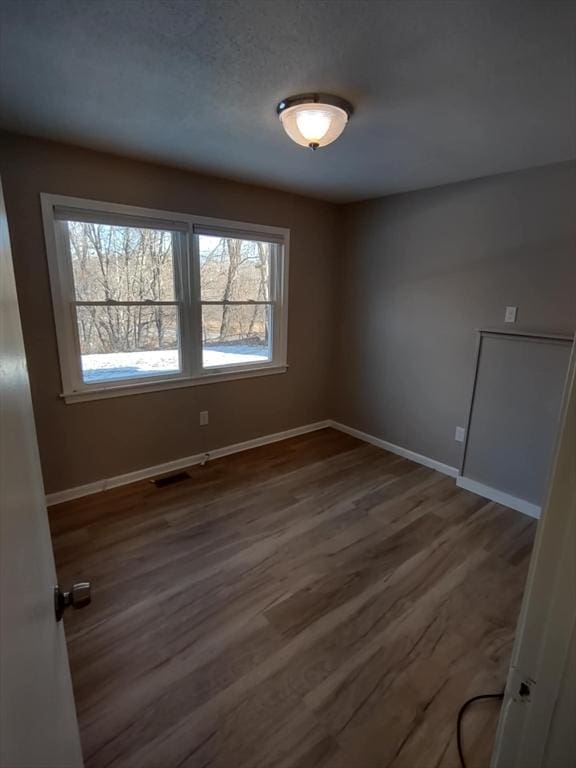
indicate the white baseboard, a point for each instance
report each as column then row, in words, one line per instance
column 521, row 505
column 172, row 466
column 439, row 466
column 189, row 461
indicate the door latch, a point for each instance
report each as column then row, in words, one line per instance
column 78, row 597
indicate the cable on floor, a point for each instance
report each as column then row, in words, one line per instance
column 461, row 712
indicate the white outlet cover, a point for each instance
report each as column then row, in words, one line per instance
column 460, row 434
column 510, row 316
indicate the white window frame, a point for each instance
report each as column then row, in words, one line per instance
column 188, row 228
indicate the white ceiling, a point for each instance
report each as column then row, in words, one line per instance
column 443, row 91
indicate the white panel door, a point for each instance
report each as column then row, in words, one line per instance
column 38, row 727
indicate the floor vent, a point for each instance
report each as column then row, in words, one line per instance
column 178, row 477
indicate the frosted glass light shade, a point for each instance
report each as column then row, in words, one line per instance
column 312, row 121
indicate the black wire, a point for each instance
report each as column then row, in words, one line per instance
column 461, row 712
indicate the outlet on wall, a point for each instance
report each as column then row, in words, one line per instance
column 203, row 418
column 510, row 316
column 460, row 434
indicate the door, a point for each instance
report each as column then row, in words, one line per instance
column 38, row 725
column 536, row 728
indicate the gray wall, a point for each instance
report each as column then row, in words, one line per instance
column 421, row 271
column 84, row 442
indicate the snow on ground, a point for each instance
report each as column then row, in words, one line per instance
column 127, row 365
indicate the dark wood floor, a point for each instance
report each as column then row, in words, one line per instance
column 313, row 603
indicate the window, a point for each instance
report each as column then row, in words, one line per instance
column 235, row 292
column 148, row 300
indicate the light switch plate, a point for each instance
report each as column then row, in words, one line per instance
column 460, row 434
column 510, row 316
column 203, row 418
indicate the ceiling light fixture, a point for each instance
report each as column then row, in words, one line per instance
column 314, row 119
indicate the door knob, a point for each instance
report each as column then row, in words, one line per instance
column 78, row 597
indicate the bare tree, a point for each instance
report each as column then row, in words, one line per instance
column 263, row 283
column 234, row 252
column 122, row 264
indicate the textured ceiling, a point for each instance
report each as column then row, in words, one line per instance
column 443, row 91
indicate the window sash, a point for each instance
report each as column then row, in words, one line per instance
column 143, row 378
column 226, row 303
column 235, row 366
column 237, row 233
column 89, row 216
column 186, row 229
column 75, row 374
column 276, row 290
column 115, row 303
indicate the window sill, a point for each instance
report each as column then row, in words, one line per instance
column 123, row 389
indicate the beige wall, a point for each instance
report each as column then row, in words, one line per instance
column 385, row 297
column 83, row 442
column 422, row 271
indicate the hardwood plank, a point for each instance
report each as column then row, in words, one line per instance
column 315, row 602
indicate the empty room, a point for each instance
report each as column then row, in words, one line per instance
column 288, row 401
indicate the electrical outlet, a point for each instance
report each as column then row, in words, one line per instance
column 460, row 434
column 203, row 418
column 510, row 316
